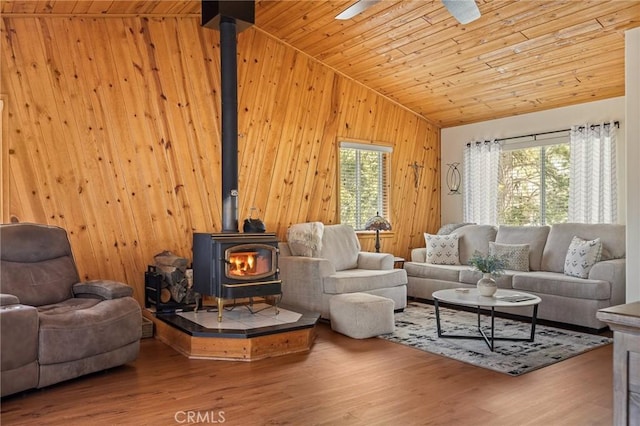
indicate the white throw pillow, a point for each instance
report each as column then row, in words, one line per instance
column 581, row 256
column 305, row 239
column 516, row 256
column 442, row 249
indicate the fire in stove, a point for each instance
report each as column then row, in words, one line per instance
column 242, row 264
column 248, row 264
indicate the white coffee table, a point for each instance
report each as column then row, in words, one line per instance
column 501, row 299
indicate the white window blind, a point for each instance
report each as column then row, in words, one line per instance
column 364, row 182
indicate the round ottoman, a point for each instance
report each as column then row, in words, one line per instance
column 361, row 315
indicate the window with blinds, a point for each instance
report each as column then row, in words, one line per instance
column 364, row 182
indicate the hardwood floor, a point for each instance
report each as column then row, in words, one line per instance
column 340, row 382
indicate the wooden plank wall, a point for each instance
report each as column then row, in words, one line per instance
column 113, row 133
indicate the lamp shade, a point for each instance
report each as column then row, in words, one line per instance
column 377, row 223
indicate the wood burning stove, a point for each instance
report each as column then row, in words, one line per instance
column 235, row 266
column 231, row 265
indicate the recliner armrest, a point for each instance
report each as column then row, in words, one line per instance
column 102, row 289
column 378, row 261
column 8, row 299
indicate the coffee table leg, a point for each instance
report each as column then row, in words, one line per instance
column 493, row 326
column 435, row 303
column 489, row 340
column 533, row 322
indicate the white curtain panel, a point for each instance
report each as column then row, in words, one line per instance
column 593, row 196
column 480, row 182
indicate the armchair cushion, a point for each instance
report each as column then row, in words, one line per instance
column 362, row 280
column 340, row 246
column 102, row 289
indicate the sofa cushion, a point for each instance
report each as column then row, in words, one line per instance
column 340, row 246
column 81, row 328
column 442, row 249
column 612, row 237
column 562, row 285
column 450, row 227
column 581, row 257
column 472, row 238
column 356, row 280
column 515, row 256
column 471, row 276
column 535, row 236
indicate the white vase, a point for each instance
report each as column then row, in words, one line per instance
column 486, row 285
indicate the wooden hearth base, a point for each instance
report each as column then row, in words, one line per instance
column 234, row 346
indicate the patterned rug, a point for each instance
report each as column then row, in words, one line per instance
column 416, row 327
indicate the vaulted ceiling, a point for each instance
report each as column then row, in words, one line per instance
column 519, row 57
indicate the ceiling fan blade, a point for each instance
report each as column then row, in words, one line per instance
column 464, row 11
column 356, row 8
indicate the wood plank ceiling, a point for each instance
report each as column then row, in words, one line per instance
column 519, row 57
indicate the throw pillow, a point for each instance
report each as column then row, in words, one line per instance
column 442, row 249
column 581, row 256
column 516, row 256
column 305, row 239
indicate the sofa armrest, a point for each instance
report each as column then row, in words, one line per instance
column 613, row 271
column 377, row 261
column 102, row 289
column 419, row 255
column 8, row 299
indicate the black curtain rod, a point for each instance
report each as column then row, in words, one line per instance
column 533, row 135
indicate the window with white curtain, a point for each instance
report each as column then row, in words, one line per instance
column 533, row 181
column 554, row 177
column 364, row 182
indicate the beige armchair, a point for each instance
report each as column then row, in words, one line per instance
column 54, row 327
column 329, row 261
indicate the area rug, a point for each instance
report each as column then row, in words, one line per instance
column 416, row 327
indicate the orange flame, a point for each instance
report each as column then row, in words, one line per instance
column 242, row 264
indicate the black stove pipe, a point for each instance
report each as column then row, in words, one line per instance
column 229, row 80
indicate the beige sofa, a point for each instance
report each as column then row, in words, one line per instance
column 565, row 299
column 333, row 265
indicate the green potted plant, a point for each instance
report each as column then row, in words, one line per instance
column 491, row 266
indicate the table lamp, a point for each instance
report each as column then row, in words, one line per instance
column 377, row 223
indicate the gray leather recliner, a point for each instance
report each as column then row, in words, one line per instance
column 52, row 326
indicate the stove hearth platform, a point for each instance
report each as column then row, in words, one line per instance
column 241, row 336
